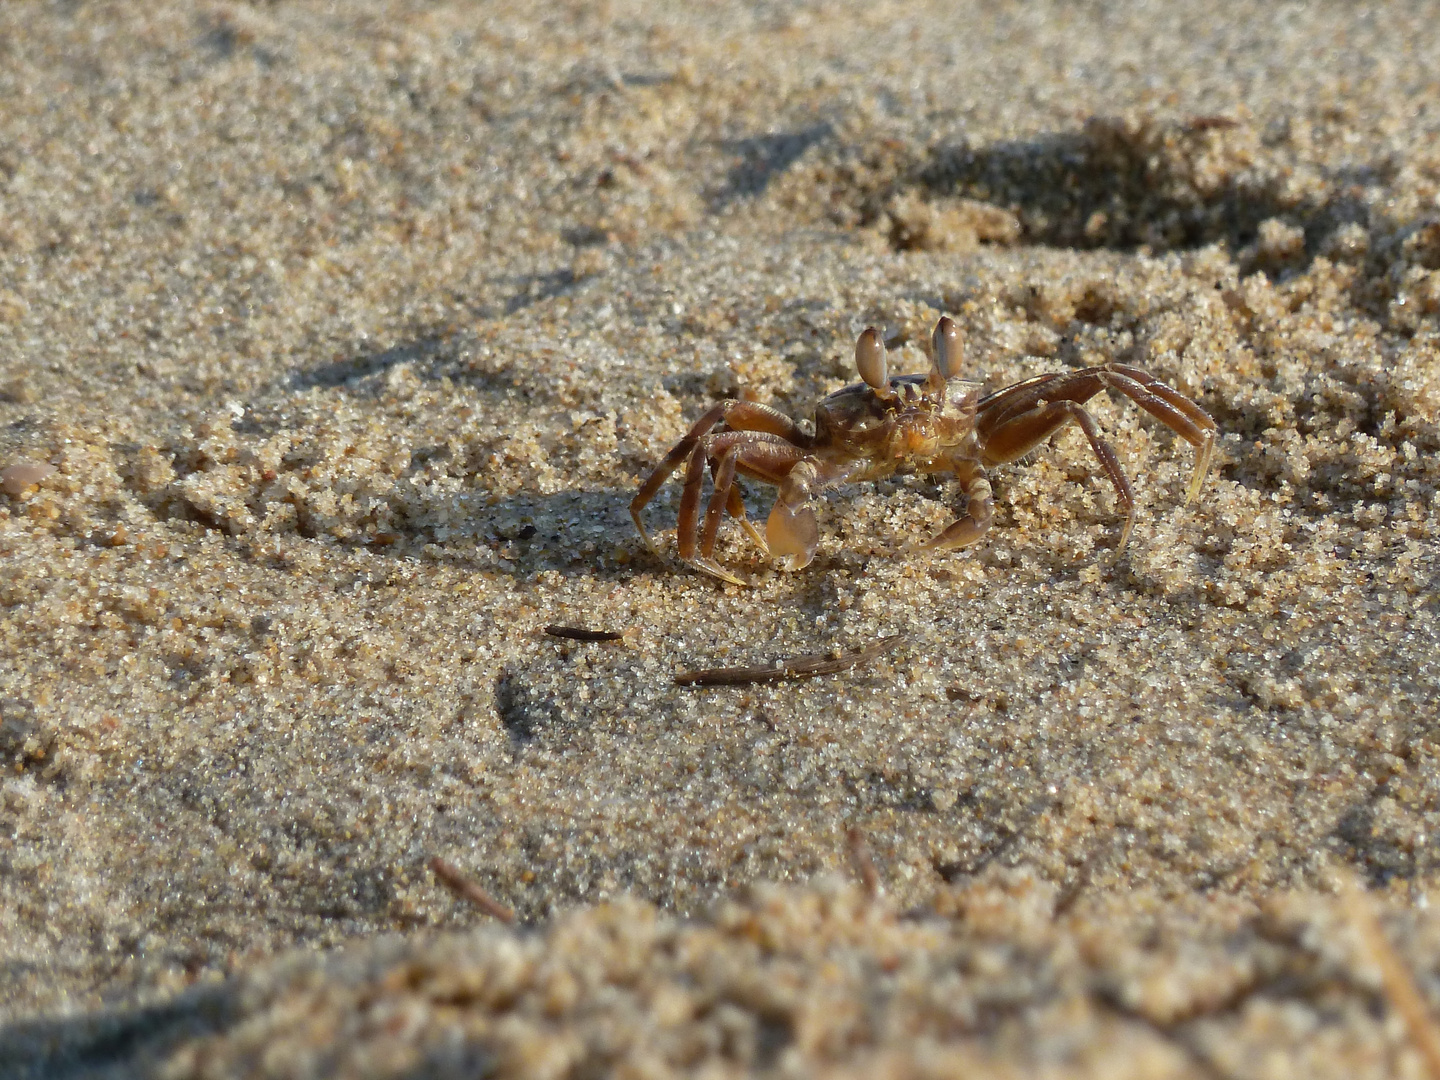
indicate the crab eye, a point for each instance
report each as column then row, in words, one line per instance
column 947, row 347
column 870, row 359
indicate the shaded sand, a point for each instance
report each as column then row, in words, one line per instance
column 349, row 334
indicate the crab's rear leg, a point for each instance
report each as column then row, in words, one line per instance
column 1174, row 410
column 738, row 415
column 1166, row 404
column 1016, row 437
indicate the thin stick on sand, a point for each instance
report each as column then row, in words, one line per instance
column 451, row 877
column 1400, row 989
column 862, row 861
column 797, row 667
column 579, row 633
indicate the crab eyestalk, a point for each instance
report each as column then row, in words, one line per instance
column 946, row 349
column 870, row 360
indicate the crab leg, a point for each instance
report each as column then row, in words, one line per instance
column 1169, row 406
column 739, row 416
column 1019, row 435
column 724, row 471
column 979, row 509
column 1175, row 411
column 687, row 527
column 736, row 505
column 995, row 409
column 758, row 454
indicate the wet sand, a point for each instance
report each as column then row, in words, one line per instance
column 349, row 335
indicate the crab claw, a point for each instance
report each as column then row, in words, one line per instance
column 792, row 535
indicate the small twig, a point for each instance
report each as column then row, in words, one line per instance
column 797, row 667
column 1212, row 123
column 1400, row 989
column 451, row 877
column 862, row 861
column 579, row 633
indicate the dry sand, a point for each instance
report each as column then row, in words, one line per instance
column 350, row 329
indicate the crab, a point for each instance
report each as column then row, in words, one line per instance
column 931, row 422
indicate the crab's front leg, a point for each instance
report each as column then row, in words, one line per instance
column 979, row 508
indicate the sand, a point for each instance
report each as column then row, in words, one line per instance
column 349, row 332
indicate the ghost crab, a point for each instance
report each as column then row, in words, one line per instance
column 935, row 422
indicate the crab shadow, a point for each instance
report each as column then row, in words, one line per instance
column 352, row 370
column 534, row 289
column 577, row 532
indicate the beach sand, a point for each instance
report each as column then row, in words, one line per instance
column 349, row 331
